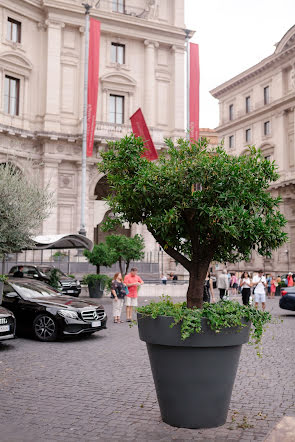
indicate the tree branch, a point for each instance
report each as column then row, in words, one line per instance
column 188, row 216
column 186, row 263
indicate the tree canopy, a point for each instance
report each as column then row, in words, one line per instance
column 117, row 248
column 24, row 205
column 231, row 215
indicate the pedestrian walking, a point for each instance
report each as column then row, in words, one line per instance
column 233, row 284
column 259, row 284
column 290, row 281
column 246, row 285
column 208, row 293
column 118, row 293
column 223, row 283
column 273, row 287
column 268, row 280
column 133, row 281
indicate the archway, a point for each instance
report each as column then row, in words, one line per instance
column 102, row 211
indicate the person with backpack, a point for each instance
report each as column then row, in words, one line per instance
column 118, row 293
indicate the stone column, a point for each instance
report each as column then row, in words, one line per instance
column 52, row 115
column 104, row 105
column 1, row 90
column 149, row 82
column 178, row 90
column 279, row 136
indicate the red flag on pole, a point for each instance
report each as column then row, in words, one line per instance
column 194, row 92
column 93, row 66
column 140, row 129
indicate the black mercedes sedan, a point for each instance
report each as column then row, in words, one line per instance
column 7, row 324
column 287, row 301
column 43, row 311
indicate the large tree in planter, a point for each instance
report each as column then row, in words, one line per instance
column 231, row 215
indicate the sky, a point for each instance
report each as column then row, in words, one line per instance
column 233, row 35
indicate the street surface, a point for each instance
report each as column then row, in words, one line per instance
column 100, row 388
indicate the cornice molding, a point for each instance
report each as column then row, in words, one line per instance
column 285, row 102
column 268, row 63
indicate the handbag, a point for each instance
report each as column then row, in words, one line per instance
column 126, row 290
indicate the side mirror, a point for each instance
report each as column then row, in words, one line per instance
column 35, row 275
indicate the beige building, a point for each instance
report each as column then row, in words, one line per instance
column 258, row 107
column 142, row 58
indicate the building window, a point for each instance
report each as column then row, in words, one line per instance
column 231, row 111
column 231, row 141
column 116, row 109
column 11, row 95
column 266, row 128
column 248, row 135
column 119, row 6
column 266, row 95
column 118, row 53
column 13, row 30
column 248, row 104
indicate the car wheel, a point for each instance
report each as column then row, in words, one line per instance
column 45, row 328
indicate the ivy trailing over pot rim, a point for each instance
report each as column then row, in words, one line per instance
column 223, row 314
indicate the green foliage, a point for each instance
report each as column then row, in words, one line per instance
column 125, row 249
column 92, row 278
column 54, row 279
column 232, row 214
column 101, row 255
column 60, row 254
column 24, row 206
column 3, row 278
column 117, row 248
column 221, row 315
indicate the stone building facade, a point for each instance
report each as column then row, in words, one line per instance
column 142, row 58
column 258, row 107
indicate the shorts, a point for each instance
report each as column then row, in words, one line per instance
column 259, row 297
column 131, row 302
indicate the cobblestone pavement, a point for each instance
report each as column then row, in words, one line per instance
column 100, row 388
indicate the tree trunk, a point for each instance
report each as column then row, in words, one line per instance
column 97, row 270
column 121, row 268
column 196, row 284
column 127, row 267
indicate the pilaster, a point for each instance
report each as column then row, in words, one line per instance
column 53, row 74
column 150, row 81
column 179, row 92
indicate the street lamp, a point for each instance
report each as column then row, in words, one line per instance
column 87, row 5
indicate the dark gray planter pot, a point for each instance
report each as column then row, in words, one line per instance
column 96, row 290
column 193, row 378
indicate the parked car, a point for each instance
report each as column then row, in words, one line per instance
column 68, row 285
column 7, row 324
column 287, row 301
column 47, row 314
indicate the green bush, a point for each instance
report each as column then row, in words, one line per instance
column 92, row 278
column 3, row 278
column 221, row 315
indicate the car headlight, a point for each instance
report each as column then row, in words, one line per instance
column 68, row 314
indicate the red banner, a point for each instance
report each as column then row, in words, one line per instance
column 93, row 67
column 140, row 129
column 194, row 92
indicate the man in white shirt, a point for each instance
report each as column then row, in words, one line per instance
column 222, row 283
column 259, row 284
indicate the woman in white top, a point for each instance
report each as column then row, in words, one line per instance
column 246, row 285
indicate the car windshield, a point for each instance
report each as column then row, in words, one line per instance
column 29, row 290
column 48, row 270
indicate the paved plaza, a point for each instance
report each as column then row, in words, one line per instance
column 100, row 388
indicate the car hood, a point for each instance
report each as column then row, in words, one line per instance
column 4, row 311
column 66, row 302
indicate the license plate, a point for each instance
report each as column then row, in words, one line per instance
column 96, row 324
column 70, row 291
column 4, row 328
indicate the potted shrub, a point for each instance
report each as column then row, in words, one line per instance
column 201, row 205
column 97, row 283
